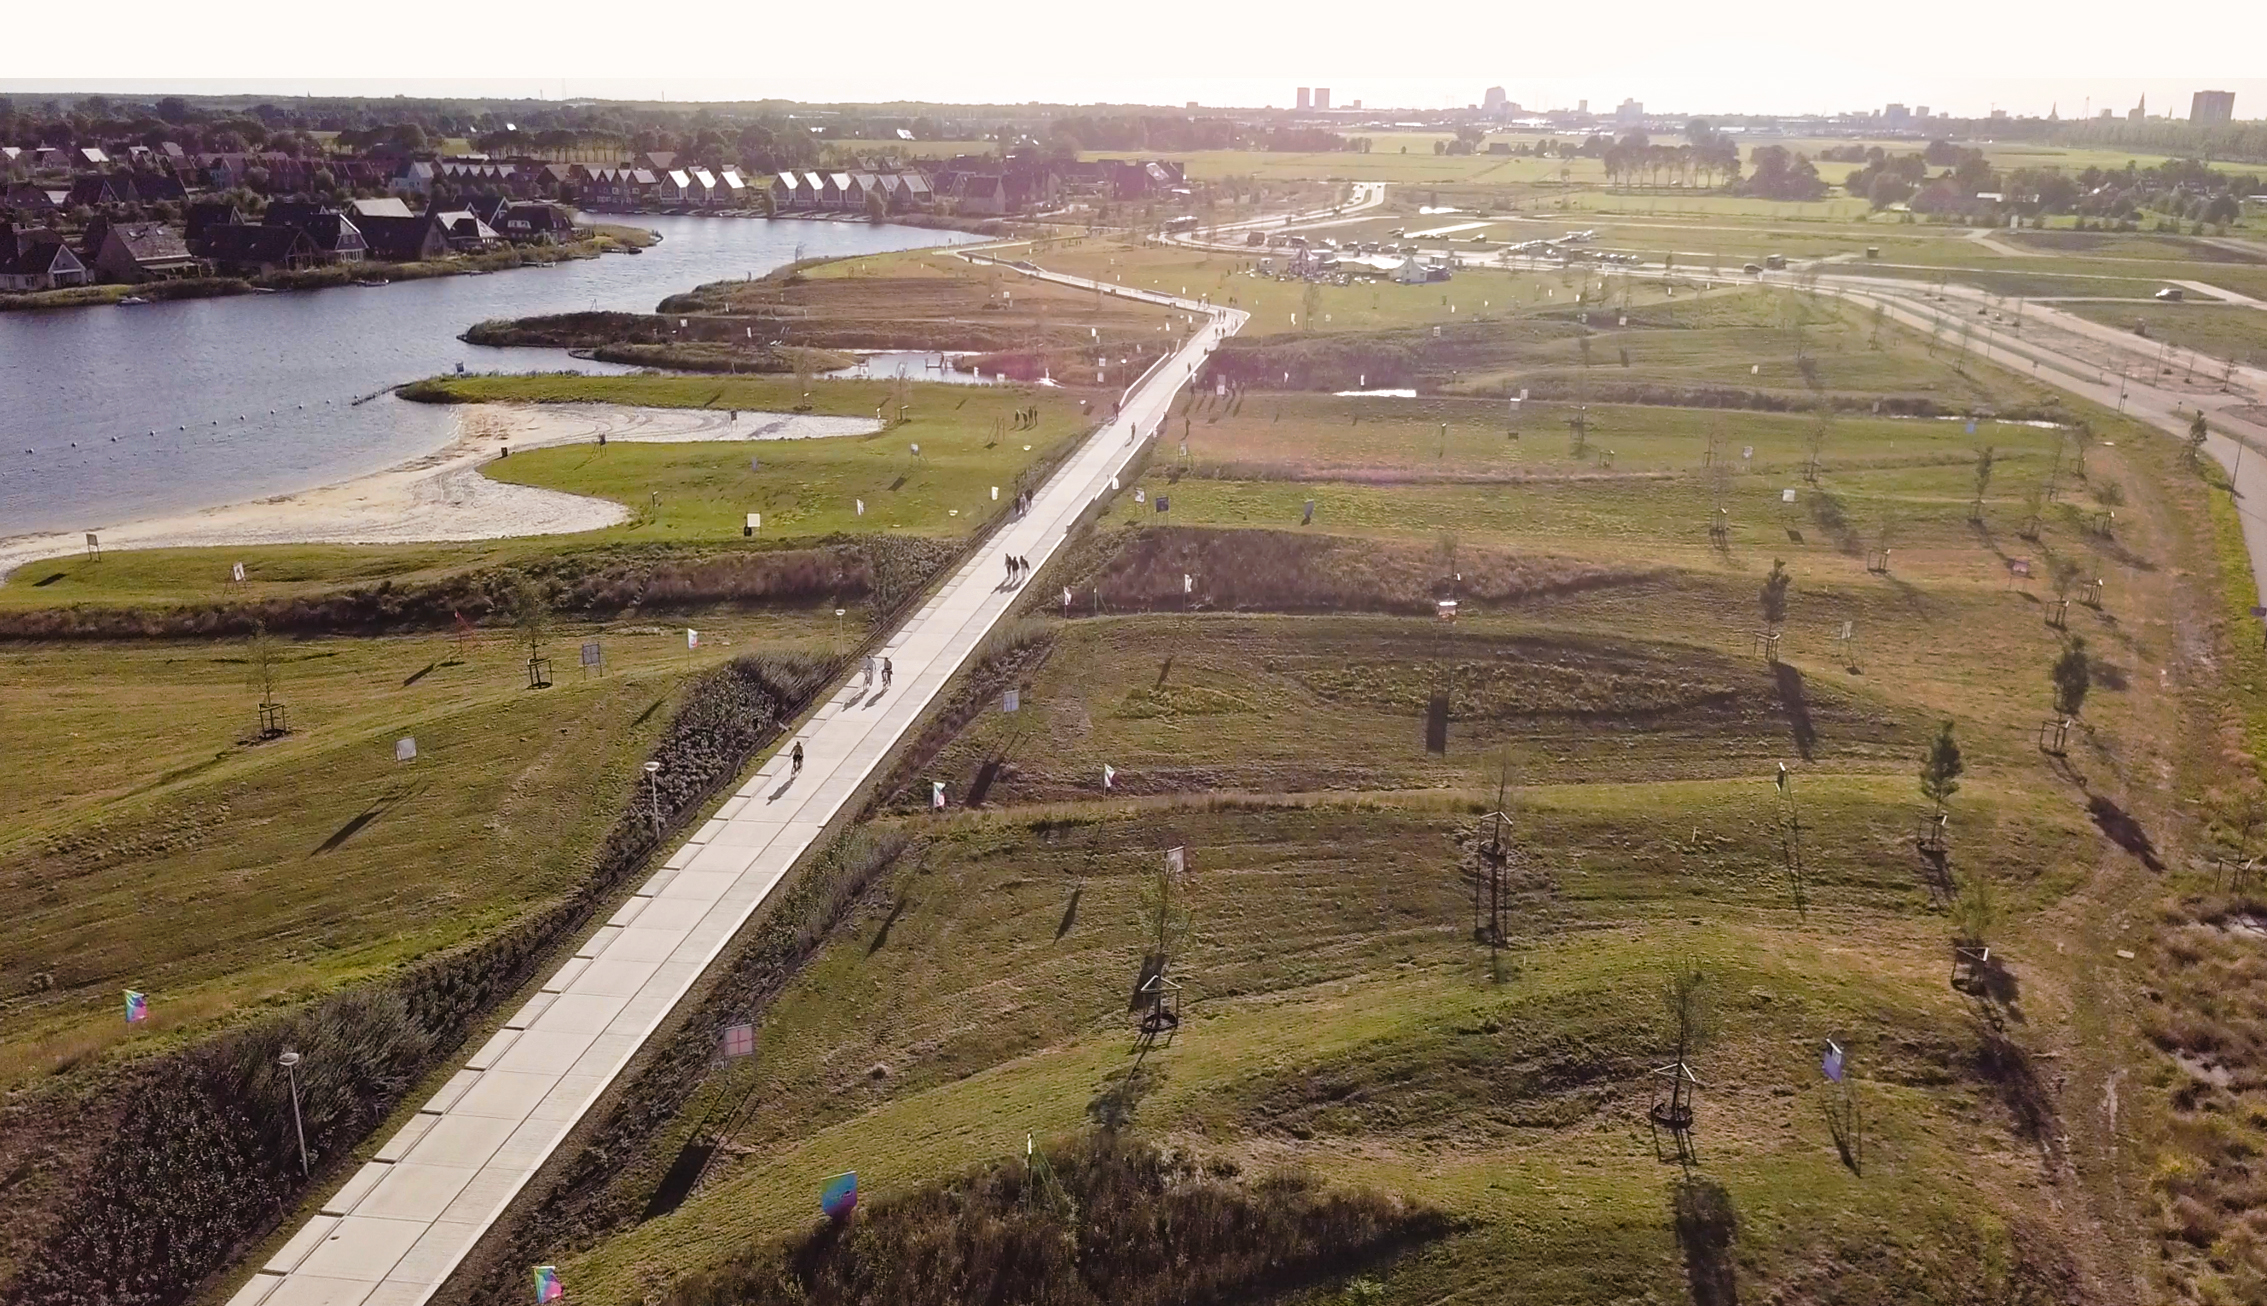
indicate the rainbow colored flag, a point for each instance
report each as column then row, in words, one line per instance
column 137, row 1008
column 840, row 1197
column 547, row 1285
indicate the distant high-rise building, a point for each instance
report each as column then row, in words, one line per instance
column 1582, row 106
column 1630, row 111
column 2212, row 106
column 1322, row 97
column 2106, row 114
column 1306, row 98
column 1922, row 112
column 1493, row 101
column 1356, row 104
column 1896, row 115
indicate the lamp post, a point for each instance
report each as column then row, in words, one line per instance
column 653, row 793
column 290, row 1063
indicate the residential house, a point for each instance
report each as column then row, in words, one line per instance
column 467, row 233
column 536, row 224
column 616, row 188
column 856, row 186
column 414, row 177
column 34, row 201
column 330, row 234
column 202, row 217
column 92, row 157
column 701, row 193
column 979, row 195
column 258, row 250
column 659, row 161
column 731, row 192
column 914, row 188
column 144, row 251
column 403, row 238
column 673, row 189
column 392, row 206
column 37, row 259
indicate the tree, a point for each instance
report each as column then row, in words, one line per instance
column 1688, row 1000
column 531, row 613
column 1984, row 459
column 2198, row 432
column 1941, row 768
column 2072, row 676
column 1774, row 594
column 265, row 658
column 1975, row 912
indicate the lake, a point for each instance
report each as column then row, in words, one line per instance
column 255, row 395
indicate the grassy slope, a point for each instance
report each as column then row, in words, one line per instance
column 1340, row 1017
column 169, row 854
column 968, row 437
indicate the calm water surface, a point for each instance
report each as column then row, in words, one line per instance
column 254, row 395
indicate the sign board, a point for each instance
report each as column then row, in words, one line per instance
column 1832, row 1064
column 2019, row 566
column 937, row 794
column 591, row 657
column 1176, row 860
column 840, row 1196
column 754, row 523
column 692, row 638
column 236, row 572
column 995, row 494
column 1163, row 502
column 1011, row 701
column 405, row 749
column 1786, row 496
column 739, row 1040
column 1447, row 609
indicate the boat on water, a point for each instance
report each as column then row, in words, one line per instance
column 131, row 299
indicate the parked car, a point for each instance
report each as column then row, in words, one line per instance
column 2171, row 294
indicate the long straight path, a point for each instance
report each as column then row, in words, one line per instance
column 396, row 1230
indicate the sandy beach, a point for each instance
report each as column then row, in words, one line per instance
column 443, row 496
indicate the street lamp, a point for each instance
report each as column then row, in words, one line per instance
column 653, row 791
column 290, row 1063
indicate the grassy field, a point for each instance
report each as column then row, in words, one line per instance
column 1269, row 715
column 970, row 436
column 170, row 851
column 2222, row 331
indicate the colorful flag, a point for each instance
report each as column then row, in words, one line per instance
column 840, row 1196
column 547, row 1285
column 137, row 1008
column 937, row 794
column 1833, row 1063
column 1109, row 776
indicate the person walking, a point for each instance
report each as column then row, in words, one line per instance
column 869, row 671
column 798, row 759
column 886, row 672
column 1010, row 558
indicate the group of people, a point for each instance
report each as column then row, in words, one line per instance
column 1018, row 568
column 1022, row 503
column 886, row 671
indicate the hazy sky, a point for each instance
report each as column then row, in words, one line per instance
column 1768, row 56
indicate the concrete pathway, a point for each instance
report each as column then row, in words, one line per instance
column 394, row 1232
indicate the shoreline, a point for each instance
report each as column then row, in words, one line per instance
column 443, row 497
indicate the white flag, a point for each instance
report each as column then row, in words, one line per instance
column 1109, row 776
column 1176, row 860
column 692, row 638
column 1188, row 583
column 236, row 572
column 995, row 494
column 1066, row 596
column 937, row 794
column 861, row 507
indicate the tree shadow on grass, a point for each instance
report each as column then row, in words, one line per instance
column 1796, row 705
column 2123, row 830
column 1706, row 1228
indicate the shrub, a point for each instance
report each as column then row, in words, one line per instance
column 1102, row 1219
